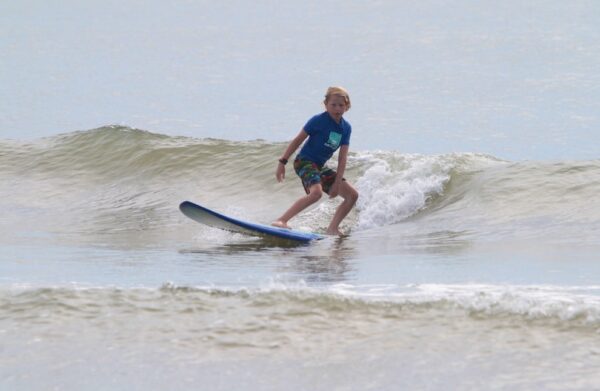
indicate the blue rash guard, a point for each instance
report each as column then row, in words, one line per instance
column 325, row 136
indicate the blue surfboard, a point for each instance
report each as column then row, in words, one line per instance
column 217, row 220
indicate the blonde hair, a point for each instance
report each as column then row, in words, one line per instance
column 339, row 91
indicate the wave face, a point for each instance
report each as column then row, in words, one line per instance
column 122, row 179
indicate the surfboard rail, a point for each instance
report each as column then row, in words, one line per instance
column 215, row 219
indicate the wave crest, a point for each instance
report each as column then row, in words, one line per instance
column 456, row 192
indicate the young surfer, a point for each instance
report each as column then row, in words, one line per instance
column 326, row 132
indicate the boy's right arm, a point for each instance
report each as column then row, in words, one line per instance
column 294, row 144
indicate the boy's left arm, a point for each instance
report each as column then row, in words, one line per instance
column 342, row 159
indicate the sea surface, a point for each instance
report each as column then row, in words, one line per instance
column 471, row 260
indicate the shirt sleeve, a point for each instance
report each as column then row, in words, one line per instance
column 310, row 126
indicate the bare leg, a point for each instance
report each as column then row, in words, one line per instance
column 315, row 193
column 350, row 195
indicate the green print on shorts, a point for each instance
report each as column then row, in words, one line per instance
column 334, row 140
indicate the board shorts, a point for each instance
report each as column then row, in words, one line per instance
column 311, row 173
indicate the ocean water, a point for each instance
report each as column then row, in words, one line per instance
column 471, row 260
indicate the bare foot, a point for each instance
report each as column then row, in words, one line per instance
column 280, row 224
column 334, row 232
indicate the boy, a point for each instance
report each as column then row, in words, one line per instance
column 326, row 132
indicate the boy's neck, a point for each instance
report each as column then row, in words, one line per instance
column 333, row 118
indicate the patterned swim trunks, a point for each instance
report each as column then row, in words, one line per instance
column 310, row 173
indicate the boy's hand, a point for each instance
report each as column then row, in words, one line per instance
column 334, row 189
column 280, row 173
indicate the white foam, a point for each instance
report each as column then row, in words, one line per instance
column 395, row 187
column 566, row 303
column 531, row 301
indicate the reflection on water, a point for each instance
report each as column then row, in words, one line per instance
column 243, row 247
column 318, row 261
column 327, row 263
column 334, row 259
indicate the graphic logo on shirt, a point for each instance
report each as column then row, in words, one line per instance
column 334, row 140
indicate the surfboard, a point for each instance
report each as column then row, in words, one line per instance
column 214, row 219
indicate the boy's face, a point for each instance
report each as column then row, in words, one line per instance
column 336, row 107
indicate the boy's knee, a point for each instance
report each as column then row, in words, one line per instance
column 315, row 194
column 351, row 194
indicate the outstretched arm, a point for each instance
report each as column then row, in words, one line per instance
column 294, row 144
